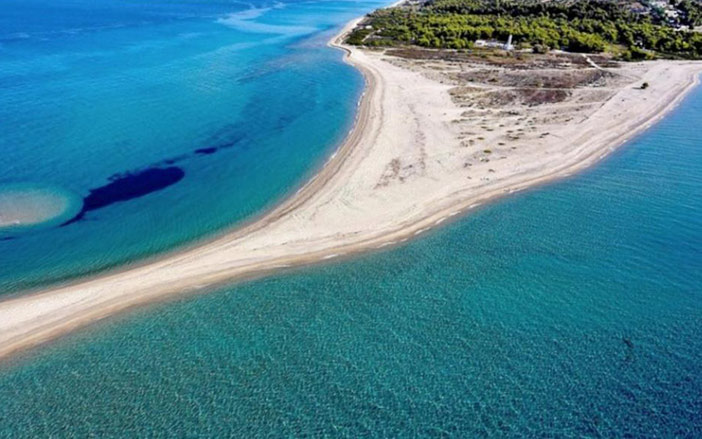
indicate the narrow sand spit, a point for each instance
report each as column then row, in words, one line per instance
column 403, row 169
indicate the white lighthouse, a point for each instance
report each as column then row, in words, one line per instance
column 508, row 46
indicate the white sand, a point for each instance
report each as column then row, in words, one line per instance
column 400, row 172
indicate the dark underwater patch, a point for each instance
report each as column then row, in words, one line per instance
column 124, row 187
column 158, row 176
column 206, row 151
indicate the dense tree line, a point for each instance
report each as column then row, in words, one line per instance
column 580, row 26
column 692, row 11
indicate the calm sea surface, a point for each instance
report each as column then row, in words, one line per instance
column 171, row 118
column 573, row 310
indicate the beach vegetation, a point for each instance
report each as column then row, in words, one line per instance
column 588, row 26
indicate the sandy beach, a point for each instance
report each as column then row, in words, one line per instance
column 432, row 139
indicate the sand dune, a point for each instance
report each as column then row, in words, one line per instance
column 407, row 166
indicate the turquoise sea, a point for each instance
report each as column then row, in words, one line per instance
column 171, row 119
column 571, row 310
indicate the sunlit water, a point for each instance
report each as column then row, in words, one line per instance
column 171, row 120
column 573, row 310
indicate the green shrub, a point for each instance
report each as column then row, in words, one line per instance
column 578, row 26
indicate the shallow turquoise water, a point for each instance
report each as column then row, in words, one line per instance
column 26, row 207
column 574, row 310
column 237, row 103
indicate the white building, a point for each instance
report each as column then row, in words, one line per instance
column 495, row 44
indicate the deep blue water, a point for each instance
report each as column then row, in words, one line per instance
column 573, row 310
column 171, row 119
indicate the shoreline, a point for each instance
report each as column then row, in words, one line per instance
column 32, row 319
column 295, row 195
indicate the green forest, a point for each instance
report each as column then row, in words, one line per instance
column 577, row 26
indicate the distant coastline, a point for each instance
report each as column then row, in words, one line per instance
column 395, row 176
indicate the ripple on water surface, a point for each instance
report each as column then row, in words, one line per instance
column 28, row 206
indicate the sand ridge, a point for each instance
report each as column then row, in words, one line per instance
column 401, row 171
